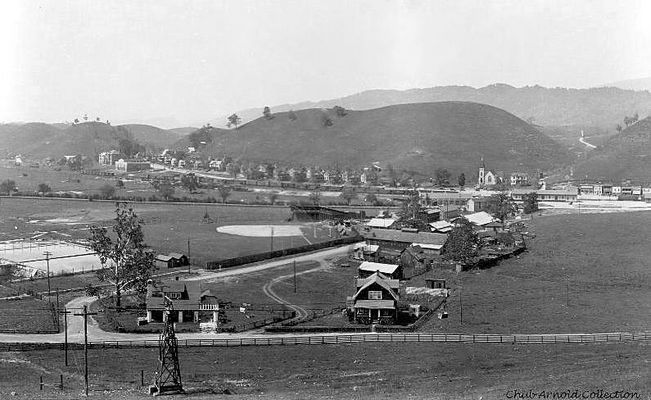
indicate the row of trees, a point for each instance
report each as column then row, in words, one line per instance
column 234, row 120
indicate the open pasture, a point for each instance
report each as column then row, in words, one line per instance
column 582, row 273
column 359, row 371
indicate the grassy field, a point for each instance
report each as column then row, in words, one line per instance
column 360, row 371
column 168, row 226
column 582, row 273
column 26, row 315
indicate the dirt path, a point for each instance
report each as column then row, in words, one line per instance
column 300, row 312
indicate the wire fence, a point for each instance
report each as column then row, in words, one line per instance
column 353, row 338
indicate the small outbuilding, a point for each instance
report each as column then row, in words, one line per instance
column 182, row 259
column 163, row 262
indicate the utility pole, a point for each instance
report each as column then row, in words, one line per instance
column 47, row 260
column 294, row 275
column 460, row 306
column 189, row 255
column 65, row 313
column 272, row 238
column 85, row 314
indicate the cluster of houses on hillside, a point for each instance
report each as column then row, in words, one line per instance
column 272, row 171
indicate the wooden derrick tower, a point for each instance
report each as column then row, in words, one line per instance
column 168, row 376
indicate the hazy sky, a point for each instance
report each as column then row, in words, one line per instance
column 184, row 62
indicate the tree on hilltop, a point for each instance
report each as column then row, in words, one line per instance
column 292, row 115
column 339, row 111
column 125, row 262
column 267, row 113
column 233, row 120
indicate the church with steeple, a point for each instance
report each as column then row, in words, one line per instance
column 486, row 177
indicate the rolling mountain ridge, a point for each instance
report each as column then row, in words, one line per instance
column 414, row 137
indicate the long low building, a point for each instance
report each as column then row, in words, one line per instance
column 567, row 195
column 401, row 239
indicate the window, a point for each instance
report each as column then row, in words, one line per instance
column 375, row 295
column 174, row 295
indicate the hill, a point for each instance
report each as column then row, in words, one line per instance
column 183, row 130
column 24, row 138
column 39, row 140
column 152, row 136
column 624, row 156
column 414, row 137
column 632, row 84
column 597, row 107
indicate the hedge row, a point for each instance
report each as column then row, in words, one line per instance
column 233, row 262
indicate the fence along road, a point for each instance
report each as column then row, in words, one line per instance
column 280, row 340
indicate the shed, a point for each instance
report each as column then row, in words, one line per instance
column 182, row 259
column 163, row 261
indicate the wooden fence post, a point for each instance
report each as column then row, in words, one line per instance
column 41, row 382
column 61, row 381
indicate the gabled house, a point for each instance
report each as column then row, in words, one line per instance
column 189, row 302
column 376, row 300
column 519, row 179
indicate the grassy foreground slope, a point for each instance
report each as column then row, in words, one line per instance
column 418, row 137
column 357, row 371
column 623, row 156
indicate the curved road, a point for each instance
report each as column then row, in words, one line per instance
column 76, row 323
column 300, row 312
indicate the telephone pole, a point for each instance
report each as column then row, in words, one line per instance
column 65, row 313
column 294, row 275
column 272, row 238
column 47, row 261
column 85, row 314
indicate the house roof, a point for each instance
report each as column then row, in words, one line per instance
column 176, row 255
column 163, row 257
column 480, row 218
column 395, row 235
column 381, row 222
column 192, row 303
column 375, row 267
column 428, row 246
column 441, row 226
column 393, row 283
column 387, row 284
column 375, row 304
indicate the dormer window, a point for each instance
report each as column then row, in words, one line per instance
column 375, row 295
column 174, row 295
